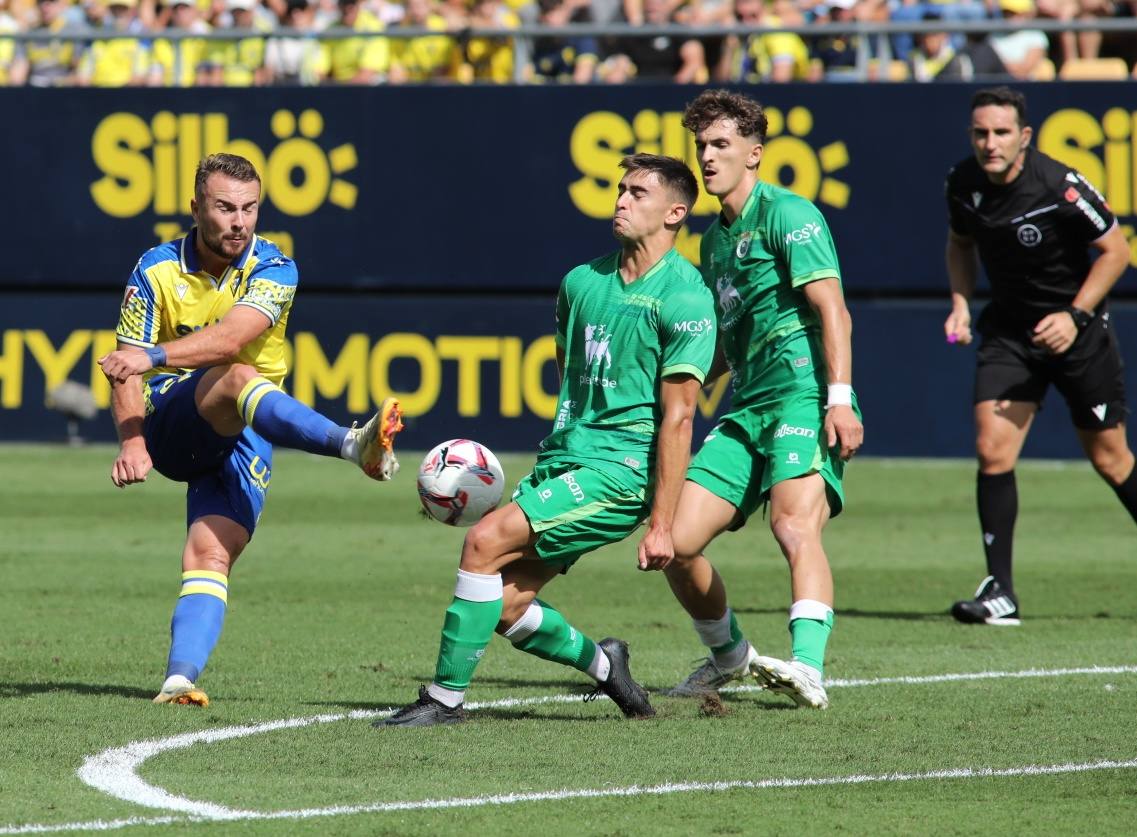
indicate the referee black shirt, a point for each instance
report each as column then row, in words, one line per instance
column 1033, row 233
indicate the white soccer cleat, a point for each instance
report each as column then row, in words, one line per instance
column 794, row 679
column 178, row 689
column 375, row 441
column 710, row 677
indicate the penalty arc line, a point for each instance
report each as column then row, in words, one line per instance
column 114, row 771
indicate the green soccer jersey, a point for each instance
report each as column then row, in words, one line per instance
column 619, row 340
column 756, row 267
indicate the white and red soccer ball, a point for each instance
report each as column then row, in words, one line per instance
column 460, row 482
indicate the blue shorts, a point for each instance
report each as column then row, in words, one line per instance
column 226, row 475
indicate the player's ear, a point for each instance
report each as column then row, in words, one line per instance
column 677, row 214
column 755, row 156
column 1027, row 134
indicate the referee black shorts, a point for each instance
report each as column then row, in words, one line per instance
column 1090, row 375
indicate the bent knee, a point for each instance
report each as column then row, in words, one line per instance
column 793, row 532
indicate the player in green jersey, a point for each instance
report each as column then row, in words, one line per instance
column 635, row 340
column 784, row 332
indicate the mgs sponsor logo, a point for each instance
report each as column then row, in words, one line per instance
column 790, row 430
column 694, row 326
column 805, row 234
column 573, row 486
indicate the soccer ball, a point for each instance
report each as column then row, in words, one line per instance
column 460, row 482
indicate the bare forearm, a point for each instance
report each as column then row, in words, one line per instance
column 837, row 343
column 1103, row 275
column 209, row 347
column 673, row 454
column 127, row 409
column 963, row 270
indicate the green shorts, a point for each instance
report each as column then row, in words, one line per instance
column 741, row 466
column 576, row 508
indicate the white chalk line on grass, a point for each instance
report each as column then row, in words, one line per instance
column 115, row 771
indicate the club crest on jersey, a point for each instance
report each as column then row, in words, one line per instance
column 1029, row 235
column 743, row 247
column 976, row 199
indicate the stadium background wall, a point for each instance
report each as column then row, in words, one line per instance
column 432, row 227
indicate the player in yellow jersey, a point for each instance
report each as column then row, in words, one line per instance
column 196, row 396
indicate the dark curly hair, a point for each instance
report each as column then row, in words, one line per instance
column 712, row 105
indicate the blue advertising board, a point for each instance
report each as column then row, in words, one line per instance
column 498, row 188
column 484, row 367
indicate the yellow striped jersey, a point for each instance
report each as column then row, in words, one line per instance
column 170, row 295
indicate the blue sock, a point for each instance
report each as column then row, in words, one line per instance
column 196, row 626
column 284, row 421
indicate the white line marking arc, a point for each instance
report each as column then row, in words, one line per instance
column 114, row 771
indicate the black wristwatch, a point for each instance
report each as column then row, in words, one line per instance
column 1081, row 318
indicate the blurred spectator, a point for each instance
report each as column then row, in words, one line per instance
column 1020, row 51
column 456, row 13
column 356, row 60
column 656, row 59
column 915, row 10
column 240, row 63
column 571, row 58
column 762, row 56
column 178, row 63
column 932, row 53
column 120, row 62
column 487, row 59
column 426, row 57
column 838, row 53
column 13, row 62
column 51, row 63
column 294, row 59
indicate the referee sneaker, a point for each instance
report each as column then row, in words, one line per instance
column 1032, row 221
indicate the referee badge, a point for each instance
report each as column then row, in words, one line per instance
column 1029, row 235
column 743, row 245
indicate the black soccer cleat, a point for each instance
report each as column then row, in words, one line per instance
column 992, row 605
column 625, row 692
column 424, row 712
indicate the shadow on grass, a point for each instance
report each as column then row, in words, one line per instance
column 25, row 689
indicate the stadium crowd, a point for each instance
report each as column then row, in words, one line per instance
column 311, row 42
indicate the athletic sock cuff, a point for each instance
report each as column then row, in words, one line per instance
column 474, row 587
column 526, row 626
column 810, row 609
column 206, row 582
column 251, row 395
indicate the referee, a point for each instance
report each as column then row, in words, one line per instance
column 1032, row 222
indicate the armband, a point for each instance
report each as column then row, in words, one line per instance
column 1080, row 317
column 157, row 356
column 840, row 395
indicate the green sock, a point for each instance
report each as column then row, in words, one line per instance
column 809, row 637
column 544, row 633
column 468, row 629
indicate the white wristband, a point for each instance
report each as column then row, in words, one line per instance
column 840, row 395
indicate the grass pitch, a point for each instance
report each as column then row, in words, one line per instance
column 336, row 607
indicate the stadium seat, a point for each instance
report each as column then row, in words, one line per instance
column 1044, row 71
column 1094, row 69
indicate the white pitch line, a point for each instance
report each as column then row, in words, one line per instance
column 598, row 793
column 115, row 771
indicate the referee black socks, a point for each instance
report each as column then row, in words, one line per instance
column 998, row 499
column 1127, row 493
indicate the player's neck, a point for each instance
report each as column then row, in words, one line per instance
column 209, row 261
column 734, row 200
column 637, row 258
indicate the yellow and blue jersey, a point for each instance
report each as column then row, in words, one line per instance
column 170, row 295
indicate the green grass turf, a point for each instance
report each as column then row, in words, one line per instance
column 337, row 604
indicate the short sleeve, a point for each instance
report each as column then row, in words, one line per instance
column 800, row 236
column 564, row 305
column 1084, row 209
column 139, row 314
column 687, row 322
column 270, row 287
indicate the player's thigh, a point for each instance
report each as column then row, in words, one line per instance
column 728, row 468
column 576, row 509
column 795, row 445
column 1091, row 378
column 799, row 508
column 502, row 536
column 238, row 488
column 1001, row 428
column 216, row 396
column 213, row 543
column 180, row 442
